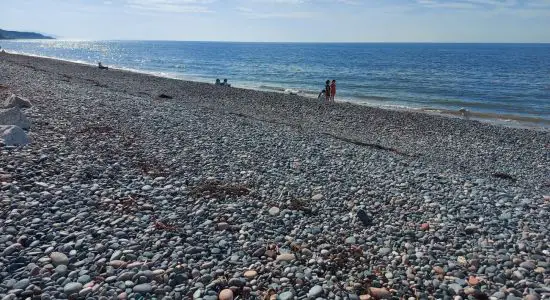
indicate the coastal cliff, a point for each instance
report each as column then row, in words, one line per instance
column 13, row 35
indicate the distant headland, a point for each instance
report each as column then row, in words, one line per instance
column 14, row 35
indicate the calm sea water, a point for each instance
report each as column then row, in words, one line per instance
column 500, row 81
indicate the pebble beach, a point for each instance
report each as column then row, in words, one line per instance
column 143, row 187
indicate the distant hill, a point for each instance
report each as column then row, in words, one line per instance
column 13, row 35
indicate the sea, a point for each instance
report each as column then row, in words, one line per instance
column 508, row 83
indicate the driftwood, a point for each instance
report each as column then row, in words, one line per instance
column 96, row 129
column 164, row 96
column 153, row 167
column 217, row 188
column 504, row 176
column 371, row 145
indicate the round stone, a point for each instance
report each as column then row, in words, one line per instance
column 315, row 291
column 274, row 211
column 226, row 294
column 286, row 296
column 61, row 269
column 250, row 274
column 384, row 251
column 22, row 284
column 317, row 197
column 143, row 288
column 379, row 293
column 72, row 288
column 286, row 257
column 84, row 279
column 350, row 240
column 529, row 265
column 59, row 258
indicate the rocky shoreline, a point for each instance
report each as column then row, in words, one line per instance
column 211, row 192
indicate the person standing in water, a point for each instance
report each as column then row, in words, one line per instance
column 332, row 90
column 327, row 90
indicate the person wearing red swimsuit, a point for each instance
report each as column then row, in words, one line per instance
column 332, row 90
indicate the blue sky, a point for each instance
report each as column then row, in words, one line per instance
column 285, row 20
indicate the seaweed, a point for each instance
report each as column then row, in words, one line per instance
column 504, row 176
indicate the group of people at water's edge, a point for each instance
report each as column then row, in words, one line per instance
column 329, row 92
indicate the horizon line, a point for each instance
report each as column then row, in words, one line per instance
column 275, row 42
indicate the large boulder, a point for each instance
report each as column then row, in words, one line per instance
column 14, row 116
column 12, row 135
column 16, row 101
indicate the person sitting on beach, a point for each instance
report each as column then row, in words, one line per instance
column 102, row 67
column 327, row 90
column 225, row 83
column 218, row 82
column 332, row 90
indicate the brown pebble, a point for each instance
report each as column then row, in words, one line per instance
column 379, row 293
column 226, row 294
column 250, row 274
column 117, row 264
column 439, row 270
column 271, row 253
column 472, row 280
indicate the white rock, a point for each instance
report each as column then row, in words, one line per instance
column 286, row 257
column 317, row 197
column 59, row 258
column 11, row 135
column 315, row 291
column 274, row 211
column 14, row 116
column 16, row 101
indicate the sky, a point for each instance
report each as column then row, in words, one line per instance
column 284, row 20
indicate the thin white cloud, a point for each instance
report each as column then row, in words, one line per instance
column 299, row 2
column 349, row 2
column 253, row 14
column 449, row 5
column 494, row 3
column 538, row 4
column 291, row 2
column 469, row 4
column 172, row 6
